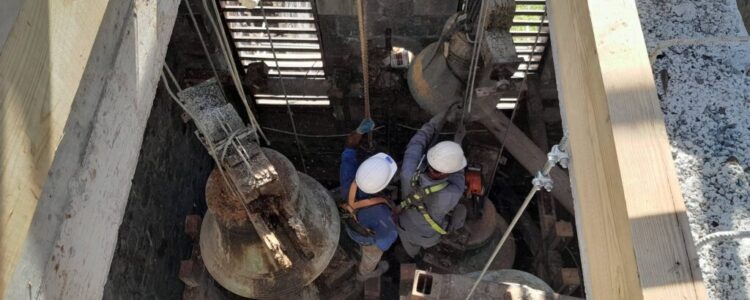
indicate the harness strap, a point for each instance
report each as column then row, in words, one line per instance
column 426, row 215
column 352, row 205
column 419, row 194
column 416, row 199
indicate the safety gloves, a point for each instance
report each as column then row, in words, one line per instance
column 366, row 126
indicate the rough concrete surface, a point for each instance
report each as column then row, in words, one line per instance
column 73, row 234
column 704, row 87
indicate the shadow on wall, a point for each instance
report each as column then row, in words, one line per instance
column 744, row 7
column 27, row 120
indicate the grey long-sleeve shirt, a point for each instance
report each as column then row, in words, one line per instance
column 439, row 204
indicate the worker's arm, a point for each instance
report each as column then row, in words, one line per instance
column 415, row 149
column 349, row 163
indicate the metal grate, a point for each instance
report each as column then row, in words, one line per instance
column 293, row 30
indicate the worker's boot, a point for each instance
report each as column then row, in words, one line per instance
column 379, row 270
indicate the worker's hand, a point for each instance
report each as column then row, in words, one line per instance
column 454, row 113
column 366, row 126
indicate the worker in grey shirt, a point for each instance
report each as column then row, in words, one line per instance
column 430, row 189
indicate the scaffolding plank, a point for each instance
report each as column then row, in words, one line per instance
column 631, row 220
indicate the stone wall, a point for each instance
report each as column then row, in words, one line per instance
column 414, row 24
column 700, row 59
column 168, row 184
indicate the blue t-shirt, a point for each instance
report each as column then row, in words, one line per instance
column 376, row 218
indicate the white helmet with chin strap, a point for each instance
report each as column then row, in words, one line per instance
column 446, row 157
column 374, row 174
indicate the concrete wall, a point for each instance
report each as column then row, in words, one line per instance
column 414, row 24
column 701, row 57
column 8, row 12
column 73, row 234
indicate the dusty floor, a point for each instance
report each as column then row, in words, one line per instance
column 705, row 92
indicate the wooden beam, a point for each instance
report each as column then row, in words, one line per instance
column 522, row 148
column 41, row 65
column 631, row 220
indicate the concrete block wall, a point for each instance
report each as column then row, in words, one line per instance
column 700, row 52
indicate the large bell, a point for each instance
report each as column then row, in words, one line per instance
column 237, row 256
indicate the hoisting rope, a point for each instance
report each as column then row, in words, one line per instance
column 289, row 112
column 203, row 44
column 469, row 92
column 229, row 58
column 557, row 155
column 518, row 101
column 362, row 21
column 211, row 145
column 722, row 235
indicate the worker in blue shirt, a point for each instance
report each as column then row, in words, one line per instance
column 367, row 215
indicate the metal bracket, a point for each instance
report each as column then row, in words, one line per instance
column 543, row 181
column 557, row 155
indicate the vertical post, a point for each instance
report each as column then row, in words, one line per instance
column 630, row 215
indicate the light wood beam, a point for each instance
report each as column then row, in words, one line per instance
column 631, row 220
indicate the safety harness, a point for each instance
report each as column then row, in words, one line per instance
column 350, row 208
column 416, row 199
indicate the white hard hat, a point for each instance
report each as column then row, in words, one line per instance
column 446, row 157
column 374, row 174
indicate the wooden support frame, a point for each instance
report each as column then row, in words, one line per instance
column 632, row 226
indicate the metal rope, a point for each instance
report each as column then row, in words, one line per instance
column 203, row 43
column 283, row 87
column 232, row 188
column 551, row 162
column 518, row 101
column 224, row 45
column 469, row 92
column 722, row 235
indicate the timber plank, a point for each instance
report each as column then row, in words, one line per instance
column 630, row 215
